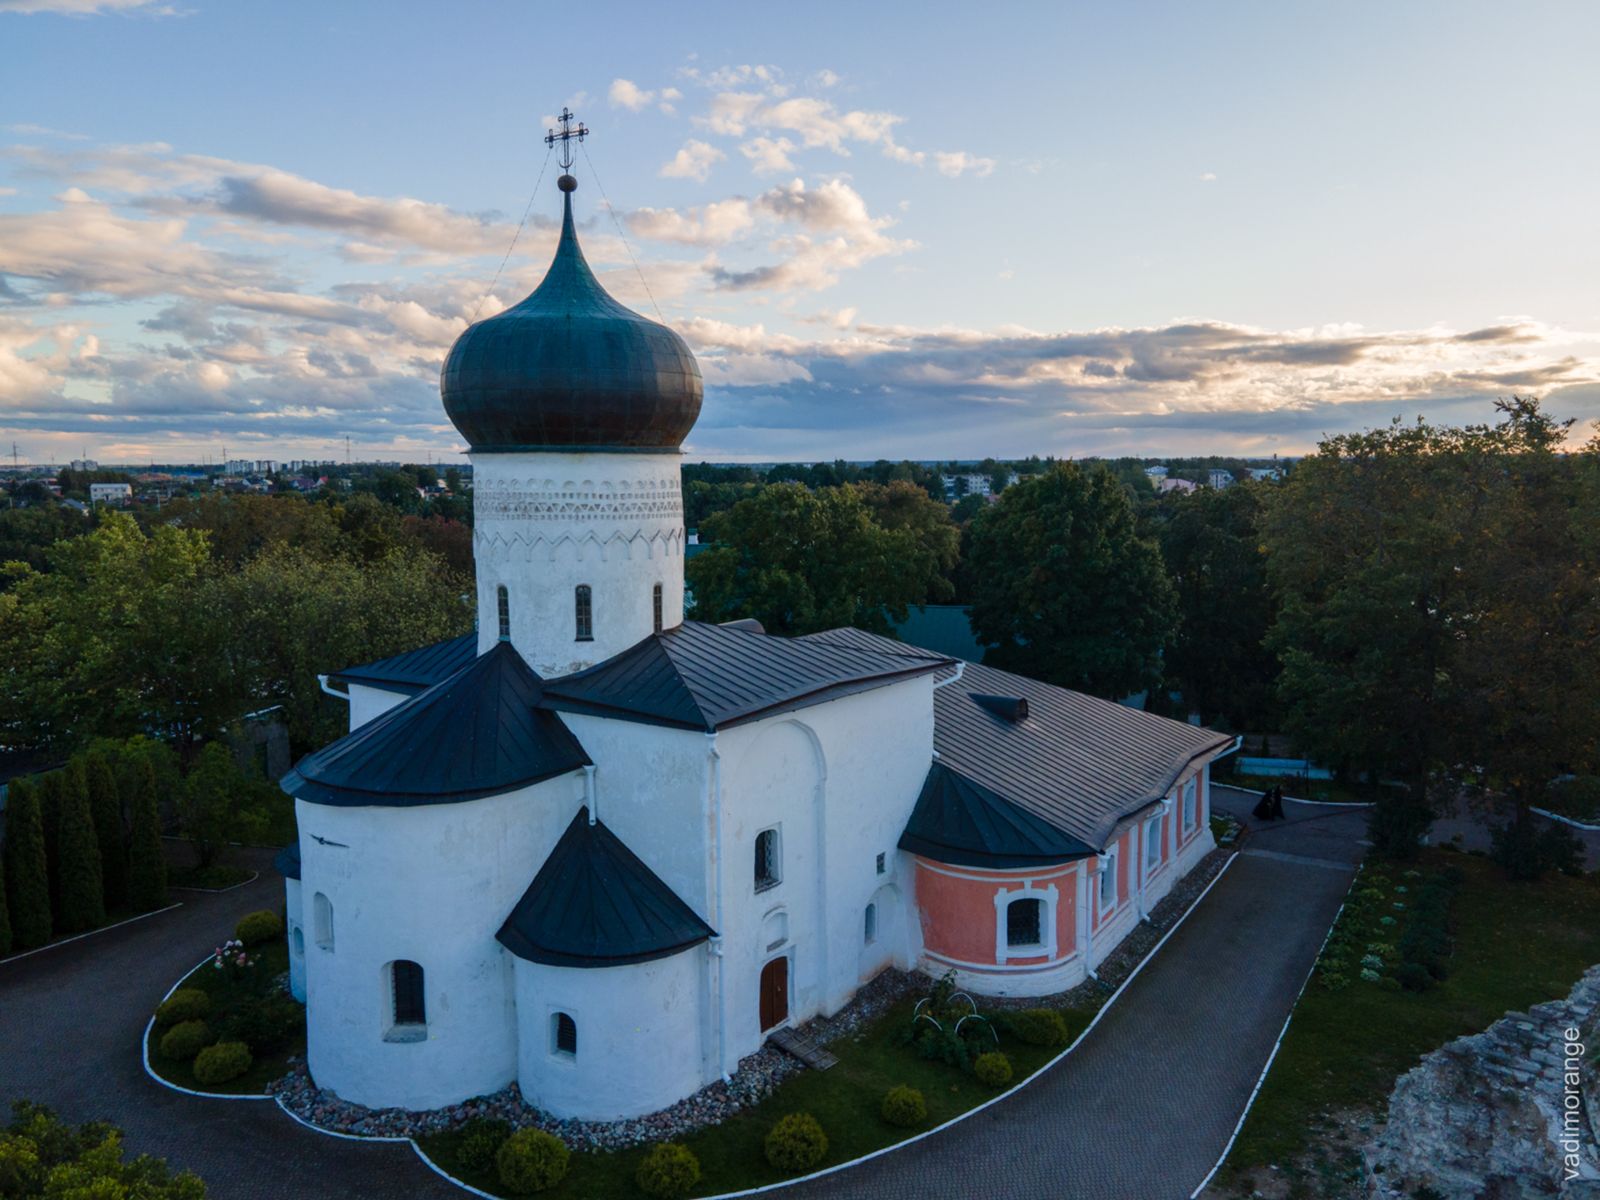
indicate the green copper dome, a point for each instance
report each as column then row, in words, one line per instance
column 570, row 369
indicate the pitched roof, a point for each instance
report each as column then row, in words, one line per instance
column 595, row 904
column 477, row 733
column 416, row 669
column 287, row 861
column 708, row 677
column 965, row 824
column 1079, row 763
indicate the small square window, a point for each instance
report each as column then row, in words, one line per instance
column 769, row 869
column 1024, row 923
column 563, row 1035
column 883, row 863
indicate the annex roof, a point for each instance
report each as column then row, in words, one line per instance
column 414, row 670
column 595, row 904
column 478, row 733
column 965, row 824
column 708, row 677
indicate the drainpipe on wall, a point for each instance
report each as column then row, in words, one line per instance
column 1090, row 908
column 322, row 682
column 714, row 799
column 591, row 801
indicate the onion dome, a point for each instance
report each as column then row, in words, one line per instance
column 570, row 369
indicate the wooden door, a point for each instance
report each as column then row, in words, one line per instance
column 774, row 993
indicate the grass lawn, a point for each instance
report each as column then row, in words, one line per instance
column 845, row 1099
column 226, row 995
column 1515, row 944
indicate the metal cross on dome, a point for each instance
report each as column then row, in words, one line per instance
column 565, row 136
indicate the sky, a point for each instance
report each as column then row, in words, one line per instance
column 896, row 230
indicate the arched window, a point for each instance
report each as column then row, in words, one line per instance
column 655, row 602
column 1155, row 833
column 583, row 612
column 503, row 599
column 1108, row 879
column 769, row 864
column 322, row 921
column 297, row 940
column 1024, row 924
column 870, row 929
column 410, row 1006
column 563, row 1035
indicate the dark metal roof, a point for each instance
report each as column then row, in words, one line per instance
column 287, row 861
column 477, row 733
column 1079, row 763
column 415, row 669
column 571, row 369
column 595, row 904
column 965, row 824
column 708, row 677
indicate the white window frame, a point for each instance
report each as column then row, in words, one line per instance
column 869, row 932
column 1046, row 946
column 776, row 876
column 1155, row 837
column 405, row 1031
column 560, row 1055
column 1108, row 867
column 1191, row 806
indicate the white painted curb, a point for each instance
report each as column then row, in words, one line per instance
column 1573, row 821
column 144, row 1043
column 1233, row 787
column 155, row 912
column 1267, row 1066
column 182, row 887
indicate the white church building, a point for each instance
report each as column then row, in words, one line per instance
column 603, row 851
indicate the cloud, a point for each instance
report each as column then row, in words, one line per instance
column 769, row 156
column 624, row 93
column 694, row 160
column 90, row 8
column 959, row 162
column 713, row 224
column 1208, row 177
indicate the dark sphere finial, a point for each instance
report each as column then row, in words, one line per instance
column 567, row 183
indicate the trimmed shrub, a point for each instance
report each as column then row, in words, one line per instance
column 668, row 1172
column 481, row 1139
column 257, row 927
column 795, row 1143
column 27, row 876
column 83, row 904
column 185, row 1004
column 993, row 1069
column 222, row 1062
column 147, row 862
column 185, row 1040
column 1038, row 1027
column 904, row 1107
column 264, row 1023
column 106, row 808
column 531, row 1160
column 1414, row 977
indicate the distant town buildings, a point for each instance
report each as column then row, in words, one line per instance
column 1157, row 473
column 971, row 484
column 84, row 464
column 1175, row 485
column 1219, row 478
column 110, row 493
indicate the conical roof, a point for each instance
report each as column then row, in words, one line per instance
column 571, row 369
column 477, row 733
column 595, row 904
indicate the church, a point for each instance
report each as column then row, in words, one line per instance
column 604, row 852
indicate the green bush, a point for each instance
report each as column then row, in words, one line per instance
column 264, row 1023
column 531, row 1160
column 257, row 927
column 41, row 1156
column 904, row 1107
column 185, row 1004
column 993, row 1069
column 668, row 1172
column 82, row 892
column 795, row 1143
column 480, row 1140
column 185, row 1039
column 27, row 872
column 1038, row 1027
column 1414, row 977
column 222, row 1062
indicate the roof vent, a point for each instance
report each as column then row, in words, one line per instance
column 748, row 624
column 1011, row 708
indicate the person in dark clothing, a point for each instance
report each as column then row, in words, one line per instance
column 1263, row 809
column 1277, row 802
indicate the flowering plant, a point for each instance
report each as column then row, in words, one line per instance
column 232, row 957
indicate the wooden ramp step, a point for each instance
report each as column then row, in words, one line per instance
column 797, row 1045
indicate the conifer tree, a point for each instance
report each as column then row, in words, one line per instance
column 5, row 915
column 82, row 893
column 147, row 862
column 106, row 806
column 27, row 878
column 49, row 797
